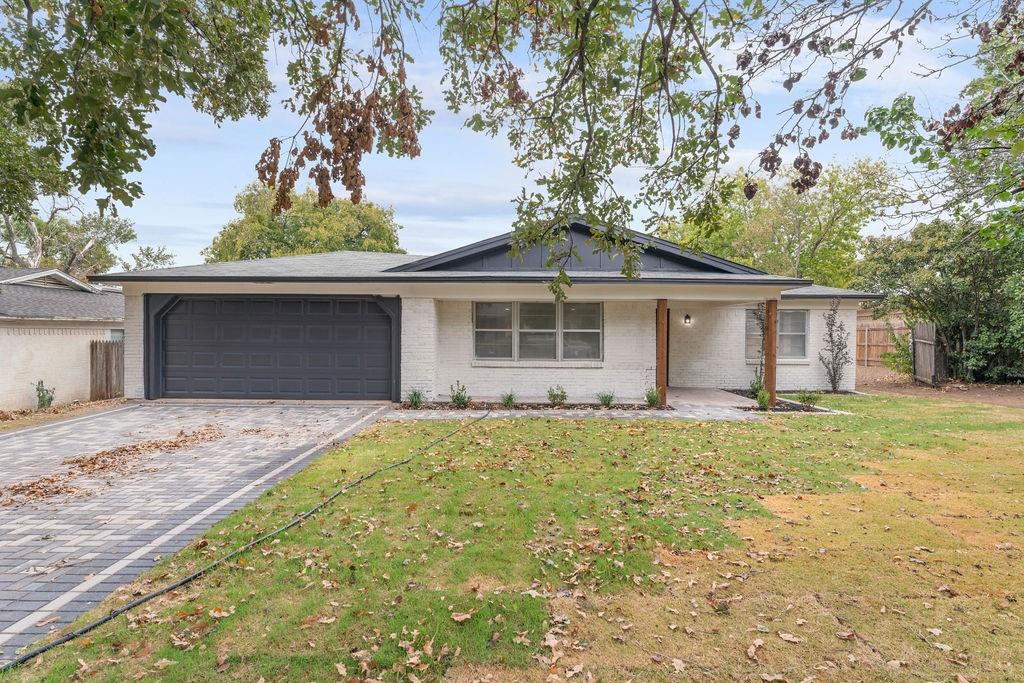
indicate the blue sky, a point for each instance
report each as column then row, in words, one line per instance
column 458, row 190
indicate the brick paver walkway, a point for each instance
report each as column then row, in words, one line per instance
column 60, row 556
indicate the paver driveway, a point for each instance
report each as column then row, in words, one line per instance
column 60, row 556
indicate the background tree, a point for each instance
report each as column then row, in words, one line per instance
column 582, row 90
column 303, row 228
column 812, row 234
column 82, row 245
column 972, row 289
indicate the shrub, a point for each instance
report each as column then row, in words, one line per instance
column 764, row 400
column 606, row 398
column 653, row 397
column 44, row 396
column 900, row 360
column 508, row 399
column 557, row 395
column 415, row 398
column 757, row 384
column 808, row 398
column 460, row 395
column 835, row 354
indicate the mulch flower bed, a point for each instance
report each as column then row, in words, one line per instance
column 782, row 405
column 482, row 405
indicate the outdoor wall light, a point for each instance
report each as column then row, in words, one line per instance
column 687, row 319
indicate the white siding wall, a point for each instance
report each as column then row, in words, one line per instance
column 627, row 368
column 419, row 346
column 56, row 354
column 134, row 356
column 710, row 351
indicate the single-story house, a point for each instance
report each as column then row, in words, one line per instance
column 362, row 325
column 47, row 321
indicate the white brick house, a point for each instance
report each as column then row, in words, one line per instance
column 356, row 325
column 47, row 321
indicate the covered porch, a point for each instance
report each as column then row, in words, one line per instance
column 685, row 376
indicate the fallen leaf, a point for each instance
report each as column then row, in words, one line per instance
column 164, row 663
column 218, row 613
column 754, row 647
column 460, row 617
column 790, row 638
column 342, row 669
column 678, row 664
column 846, row 635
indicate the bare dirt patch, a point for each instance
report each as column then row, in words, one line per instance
column 885, row 381
column 122, row 461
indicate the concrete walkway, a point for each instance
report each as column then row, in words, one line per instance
column 60, row 556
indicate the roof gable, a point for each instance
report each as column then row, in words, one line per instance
column 492, row 255
column 43, row 277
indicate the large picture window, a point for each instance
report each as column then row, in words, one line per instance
column 792, row 335
column 537, row 331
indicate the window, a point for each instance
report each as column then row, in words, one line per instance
column 581, row 331
column 117, row 335
column 493, row 333
column 537, row 331
column 792, row 335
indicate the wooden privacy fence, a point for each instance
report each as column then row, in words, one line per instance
column 873, row 337
column 106, row 370
column 929, row 359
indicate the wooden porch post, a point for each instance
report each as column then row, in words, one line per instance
column 661, row 351
column 771, row 340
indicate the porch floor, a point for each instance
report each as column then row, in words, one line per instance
column 682, row 397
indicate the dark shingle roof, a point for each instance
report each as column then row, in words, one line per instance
column 8, row 273
column 31, row 302
column 823, row 292
column 365, row 266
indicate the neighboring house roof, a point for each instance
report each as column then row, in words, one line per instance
column 44, row 277
column 822, row 292
column 48, row 294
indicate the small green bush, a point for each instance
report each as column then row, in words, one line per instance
column 764, row 400
column 757, row 384
column 606, row 398
column 808, row 398
column 902, row 359
column 415, row 398
column 653, row 397
column 508, row 399
column 44, row 396
column 460, row 395
column 557, row 395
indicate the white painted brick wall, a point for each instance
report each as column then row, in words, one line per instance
column 627, row 368
column 57, row 355
column 419, row 346
column 134, row 377
column 710, row 351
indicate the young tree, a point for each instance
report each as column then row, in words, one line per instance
column 813, row 234
column 835, row 355
column 583, row 90
column 303, row 228
column 946, row 273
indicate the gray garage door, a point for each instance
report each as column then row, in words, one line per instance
column 276, row 347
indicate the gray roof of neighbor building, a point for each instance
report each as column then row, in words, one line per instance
column 32, row 302
column 8, row 273
column 822, row 292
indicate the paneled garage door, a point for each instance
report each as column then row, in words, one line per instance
column 276, row 347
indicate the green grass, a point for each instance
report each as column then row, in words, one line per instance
column 492, row 523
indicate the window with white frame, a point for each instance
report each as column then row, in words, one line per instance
column 792, row 335
column 530, row 330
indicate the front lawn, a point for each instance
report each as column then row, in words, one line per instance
column 881, row 545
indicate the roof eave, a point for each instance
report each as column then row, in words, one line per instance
column 473, row 277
